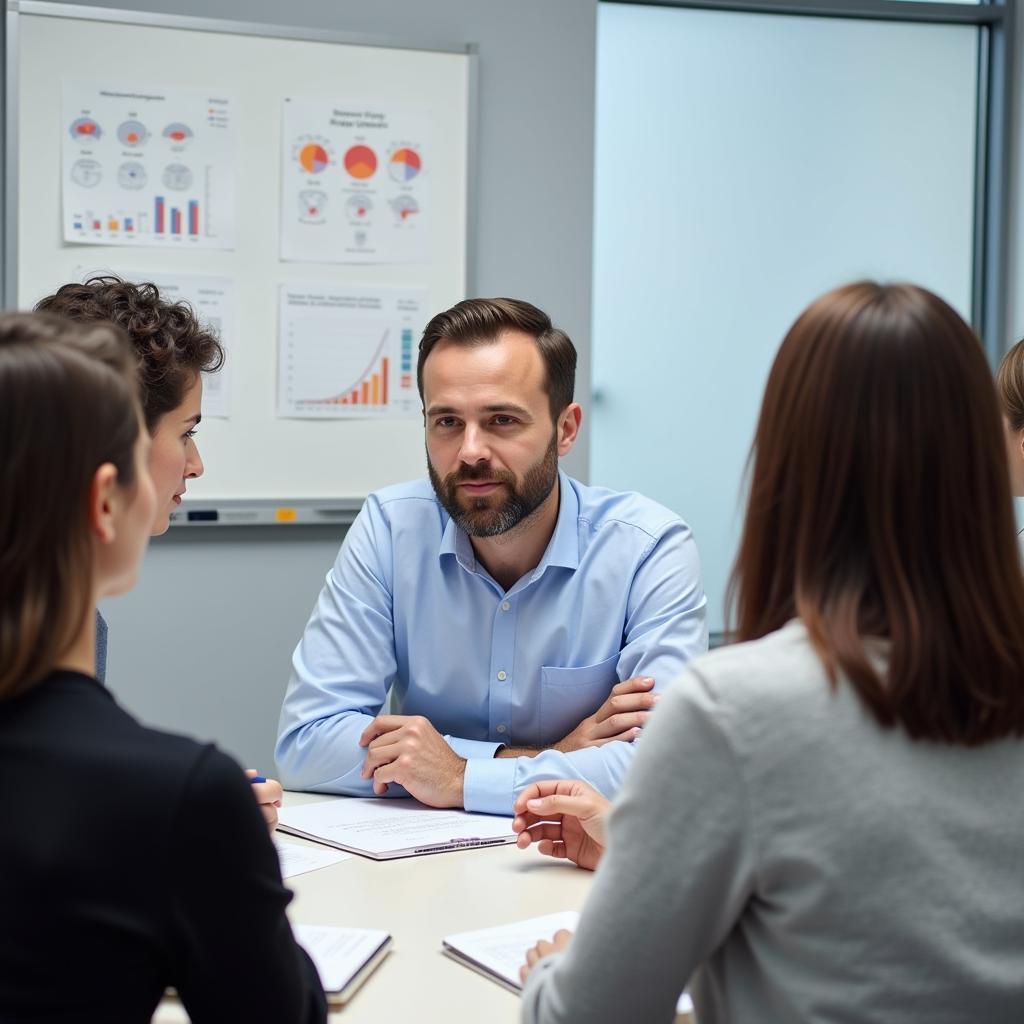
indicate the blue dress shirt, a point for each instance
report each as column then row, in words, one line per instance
column 408, row 609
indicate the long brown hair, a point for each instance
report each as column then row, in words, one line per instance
column 68, row 404
column 880, row 505
column 1010, row 385
column 172, row 345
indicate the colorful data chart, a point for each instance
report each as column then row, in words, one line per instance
column 112, row 222
column 339, row 363
column 178, row 134
column 313, row 158
column 170, row 220
column 405, row 207
column 361, row 162
column 85, row 129
column 404, row 164
column 372, row 389
column 132, row 134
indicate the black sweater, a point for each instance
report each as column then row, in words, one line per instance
column 131, row 860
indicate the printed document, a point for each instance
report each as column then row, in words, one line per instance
column 498, row 953
column 384, row 829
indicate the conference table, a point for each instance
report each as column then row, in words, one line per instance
column 420, row 900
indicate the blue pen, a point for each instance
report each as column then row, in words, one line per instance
column 257, row 778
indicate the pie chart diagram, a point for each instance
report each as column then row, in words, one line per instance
column 87, row 173
column 131, row 175
column 360, row 162
column 404, row 164
column 313, row 158
column 85, row 129
column 132, row 133
column 177, row 134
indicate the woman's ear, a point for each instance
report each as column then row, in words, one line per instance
column 103, row 503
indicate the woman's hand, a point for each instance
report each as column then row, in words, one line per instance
column 269, row 795
column 565, row 818
column 561, row 939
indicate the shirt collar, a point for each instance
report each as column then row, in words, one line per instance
column 563, row 549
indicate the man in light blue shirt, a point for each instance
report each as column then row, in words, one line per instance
column 522, row 621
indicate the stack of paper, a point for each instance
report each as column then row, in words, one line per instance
column 385, row 829
column 498, row 953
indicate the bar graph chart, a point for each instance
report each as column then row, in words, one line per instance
column 172, row 219
column 338, row 360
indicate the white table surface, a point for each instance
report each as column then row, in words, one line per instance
column 420, row 900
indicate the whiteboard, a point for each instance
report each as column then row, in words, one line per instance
column 253, row 454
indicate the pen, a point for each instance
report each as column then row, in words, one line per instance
column 257, row 778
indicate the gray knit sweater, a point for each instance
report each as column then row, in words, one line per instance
column 814, row 867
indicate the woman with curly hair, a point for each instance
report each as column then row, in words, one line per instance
column 173, row 350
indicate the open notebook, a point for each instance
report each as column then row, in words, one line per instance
column 386, row 829
column 344, row 957
column 498, row 953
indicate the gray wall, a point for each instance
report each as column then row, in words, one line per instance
column 202, row 644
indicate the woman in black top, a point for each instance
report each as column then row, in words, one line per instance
column 131, row 860
column 174, row 350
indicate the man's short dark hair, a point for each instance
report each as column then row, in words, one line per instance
column 475, row 322
column 170, row 343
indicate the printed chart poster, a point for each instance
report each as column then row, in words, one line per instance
column 147, row 167
column 347, row 352
column 355, row 183
column 212, row 300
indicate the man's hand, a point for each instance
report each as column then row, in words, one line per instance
column 561, row 940
column 409, row 751
column 269, row 796
column 565, row 818
column 621, row 717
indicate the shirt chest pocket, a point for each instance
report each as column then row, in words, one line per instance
column 568, row 695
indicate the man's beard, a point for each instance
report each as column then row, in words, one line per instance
column 482, row 517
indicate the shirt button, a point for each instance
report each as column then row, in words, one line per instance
column 505, row 606
column 502, row 728
column 503, row 675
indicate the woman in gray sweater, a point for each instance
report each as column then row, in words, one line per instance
column 825, row 822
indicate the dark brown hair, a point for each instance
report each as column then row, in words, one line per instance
column 880, row 506
column 68, row 404
column 171, row 344
column 480, row 322
column 1010, row 385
